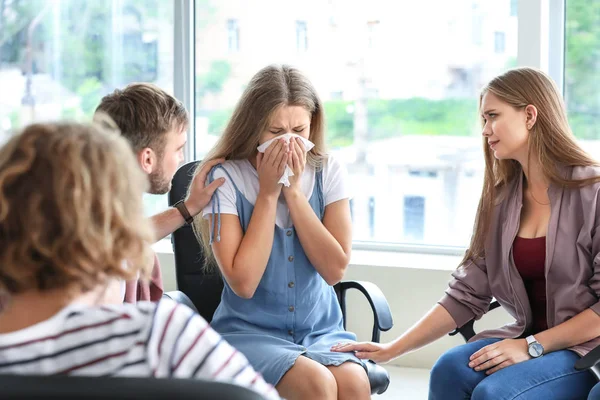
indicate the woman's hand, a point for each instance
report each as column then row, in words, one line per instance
column 496, row 356
column 270, row 167
column 296, row 162
column 377, row 352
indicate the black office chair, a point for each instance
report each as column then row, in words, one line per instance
column 467, row 331
column 28, row 387
column 590, row 361
column 204, row 290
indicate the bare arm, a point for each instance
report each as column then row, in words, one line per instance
column 166, row 222
column 243, row 258
column 435, row 324
column 583, row 327
column 199, row 196
column 327, row 244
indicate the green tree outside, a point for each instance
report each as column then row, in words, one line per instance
column 582, row 67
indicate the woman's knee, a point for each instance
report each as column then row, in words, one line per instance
column 320, row 383
column 450, row 366
column 451, row 374
column 352, row 381
column 489, row 389
column 308, row 379
column 595, row 393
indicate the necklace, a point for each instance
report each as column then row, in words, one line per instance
column 534, row 199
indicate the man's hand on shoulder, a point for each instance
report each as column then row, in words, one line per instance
column 200, row 193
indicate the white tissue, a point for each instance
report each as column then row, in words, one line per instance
column 308, row 145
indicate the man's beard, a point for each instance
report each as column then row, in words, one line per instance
column 159, row 184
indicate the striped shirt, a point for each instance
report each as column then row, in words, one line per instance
column 161, row 340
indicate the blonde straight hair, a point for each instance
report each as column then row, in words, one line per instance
column 551, row 142
column 271, row 88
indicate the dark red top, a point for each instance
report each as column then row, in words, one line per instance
column 530, row 258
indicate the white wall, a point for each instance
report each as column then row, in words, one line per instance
column 412, row 284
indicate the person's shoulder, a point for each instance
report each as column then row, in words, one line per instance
column 331, row 164
column 111, row 317
column 585, row 172
column 589, row 191
column 168, row 307
column 238, row 169
column 328, row 160
column 131, row 312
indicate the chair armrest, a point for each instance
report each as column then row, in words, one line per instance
column 590, row 361
column 467, row 330
column 382, row 316
column 181, row 298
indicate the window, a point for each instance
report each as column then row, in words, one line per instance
column 233, row 35
column 428, row 174
column 499, row 42
column 414, row 217
column 372, row 27
column 582, row 70
column 391, row 107
column 301, row 36
column 514, row 5
column 58, row 58
column 476, row 24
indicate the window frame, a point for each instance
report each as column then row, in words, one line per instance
column 541, row 44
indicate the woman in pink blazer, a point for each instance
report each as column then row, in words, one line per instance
column 535, row 248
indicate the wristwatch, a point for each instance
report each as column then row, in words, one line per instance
column 535, row 349
column 180, row 205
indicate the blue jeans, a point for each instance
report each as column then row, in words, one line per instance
column 595, row 393
column 552, row 376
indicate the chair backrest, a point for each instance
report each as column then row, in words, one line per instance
column 203, row 289
column 25, row 387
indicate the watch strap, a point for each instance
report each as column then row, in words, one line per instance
column 530, row 339
column 185, row 213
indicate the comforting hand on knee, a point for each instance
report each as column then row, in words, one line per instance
column 496, row 356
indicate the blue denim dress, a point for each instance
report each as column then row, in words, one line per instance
column 293, row 311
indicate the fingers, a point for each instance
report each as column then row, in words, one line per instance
column 273, row 158
column 296, row 155
column 485, row 357
column 283, row 162
column 492, row 362
column 347, row 347
column 301, row 152
column 281, row 158
column 498, row 367
column 344, row 347
column 293, row 158
column 365, row 351
column 210, row 189
column 210, row 164
column 203, row 173
column 482, row 351
column 259, row 158
column 270, row 149
column 300, row 145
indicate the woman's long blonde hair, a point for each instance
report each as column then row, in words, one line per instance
column 71, row 210
column 271, row 88
column 551, row 142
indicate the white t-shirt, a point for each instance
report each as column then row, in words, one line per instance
column 160, row 340
column 244, row 175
